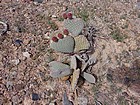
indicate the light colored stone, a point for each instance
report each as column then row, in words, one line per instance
column 54, row 16
column 52, row 103
column 15, row 61
column 26, row 54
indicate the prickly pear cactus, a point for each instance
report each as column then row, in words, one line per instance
column 74, row 26
column 59, row 69
column 55, row 33
column 65, row 45
column 81, row 43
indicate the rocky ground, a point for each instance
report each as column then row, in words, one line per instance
column 25, row 52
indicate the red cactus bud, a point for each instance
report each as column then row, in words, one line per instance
column 64, row 15
column 69, row 15
column 60, row 36
column 55, row 39
column 66, row 32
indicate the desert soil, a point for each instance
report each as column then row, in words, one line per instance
column 24, row 71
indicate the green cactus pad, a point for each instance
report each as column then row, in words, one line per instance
column 81, row 43
column 74, row 26
column 65, row 45
column 59, row 69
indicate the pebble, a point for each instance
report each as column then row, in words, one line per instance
column 138, row 5
column 47, row 35
column 18, row 42
column 13, row 74
column 127, row 81
column 18, row 29
column 26, row 54
column 16, row 61
column 9, row 85
column 52, row 103
column 35, row 96
column 82, row 100
column 54, row 16
column 38, row 1
column 19, row 87
column 15, row 100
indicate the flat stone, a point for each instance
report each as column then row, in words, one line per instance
column 18, row 42
column 52, row 103
column 35, row 96
column 16, row 61
column 38, row 1
column 26, row 54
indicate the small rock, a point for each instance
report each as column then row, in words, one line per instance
column 47, row 35
column 19, row 87
column 82, row 101
column 18, row 29
column 74, row 17
column 18, row 42
column 9, row 85
column 16, row 61
column 138, row 5
column 127, row 81
column 54, row 16
column 52, row 103
column 35, row 96
column 15, row 100
column 26, row 54
column 13, row 74
column 68, row 83
column 47, row 93
column 38, row 1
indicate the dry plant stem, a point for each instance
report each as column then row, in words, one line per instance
column 76, row 97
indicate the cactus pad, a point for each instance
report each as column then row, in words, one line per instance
column 65, row 45
column 74, row 26
column 59, row 69
column 81, row 43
